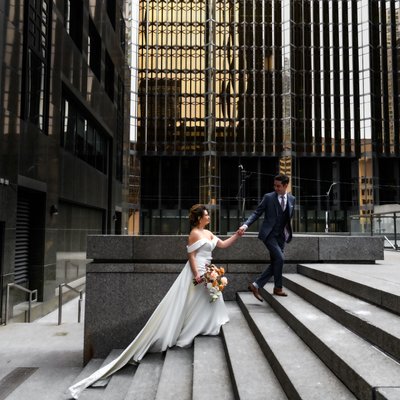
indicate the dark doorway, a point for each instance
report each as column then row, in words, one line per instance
column 29, row 240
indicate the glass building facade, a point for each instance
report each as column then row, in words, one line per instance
column 232, row 92
column 63, row 139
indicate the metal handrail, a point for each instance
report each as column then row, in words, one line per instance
column 394, row 247
column 381, row 224
column 31, row 299
column 60, row 301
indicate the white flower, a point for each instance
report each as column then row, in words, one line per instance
column 213, row 275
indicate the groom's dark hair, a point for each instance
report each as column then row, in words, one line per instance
column 284, row 179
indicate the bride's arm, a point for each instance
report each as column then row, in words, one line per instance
column 223, row 244
column 193, row 266
column 194, row 237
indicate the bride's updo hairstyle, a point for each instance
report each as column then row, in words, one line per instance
column 196, row 213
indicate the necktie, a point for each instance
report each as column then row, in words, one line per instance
column 283, row 202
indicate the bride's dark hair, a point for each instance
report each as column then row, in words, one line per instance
column 195, row 214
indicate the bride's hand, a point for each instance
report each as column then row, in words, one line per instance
column 198, row 278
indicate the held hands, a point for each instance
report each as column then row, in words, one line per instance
column 241, row 230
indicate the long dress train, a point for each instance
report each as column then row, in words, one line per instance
column 184, row 313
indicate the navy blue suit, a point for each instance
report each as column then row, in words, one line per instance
column 275, row 230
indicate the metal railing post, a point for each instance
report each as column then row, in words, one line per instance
column 31, row 299
column 60, row 297
column 60, row 301
column 7, row 302
column 29, row 307
column 80, row 306
column 372, row 225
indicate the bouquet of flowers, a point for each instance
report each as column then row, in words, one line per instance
column 214, row 280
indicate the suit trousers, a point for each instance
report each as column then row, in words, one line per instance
column 275, row 246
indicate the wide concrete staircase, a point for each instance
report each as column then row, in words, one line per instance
column 318, row 343
column 336, row 336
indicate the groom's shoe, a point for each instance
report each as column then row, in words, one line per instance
column 255, row 291
column 279, row 292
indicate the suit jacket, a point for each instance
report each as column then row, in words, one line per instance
column 270, row 207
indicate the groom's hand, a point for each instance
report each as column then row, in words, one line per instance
column 241, row 230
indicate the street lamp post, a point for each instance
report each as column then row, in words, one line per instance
column 241, row 196
column 327, row 207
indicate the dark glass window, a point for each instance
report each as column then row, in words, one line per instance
column 81, row 136
column 122, row 32
column 90, row 144
column 94, row 50
column 36, row 60
column 170, row 182
column 109, row 77
column 69, row 126
column 111, row 11
column 120, row 131
column 36, row 90
column 149, row 187
column 73, row 20
column 189, row 186
column 101, row 152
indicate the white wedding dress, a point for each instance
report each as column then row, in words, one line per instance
column 184, row 313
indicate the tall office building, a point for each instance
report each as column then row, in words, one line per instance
column 232, row 92
column 64, row 87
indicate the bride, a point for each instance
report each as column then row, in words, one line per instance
column 184, row 312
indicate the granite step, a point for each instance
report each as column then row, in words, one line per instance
column 361, row 366
column 379, row 326
column 120, row 383
column 211, row 379
column 145, row 381
column 387, row 393
column 362, row 281
column 96, row 391
column 300, row 371
column 176, row 380
column 93, row 365
column 252, row 376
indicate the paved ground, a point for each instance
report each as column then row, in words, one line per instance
column 44, row 344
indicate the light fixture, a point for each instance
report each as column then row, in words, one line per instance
column 53, row 210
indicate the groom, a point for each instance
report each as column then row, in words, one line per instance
column 277, row 207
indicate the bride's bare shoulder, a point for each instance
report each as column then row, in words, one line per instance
column 194, row 236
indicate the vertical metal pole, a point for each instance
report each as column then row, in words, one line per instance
column 326, row 221
column 60, row 303
column 371, row 223
column 29, row 307
column 243, row 196
column 79, row 306
column 7, row 301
